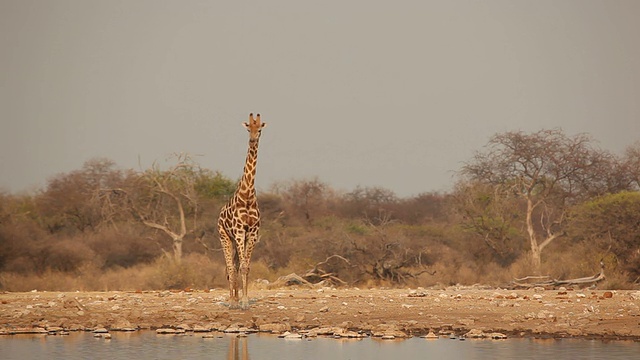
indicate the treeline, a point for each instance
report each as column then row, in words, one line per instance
column 526, row 204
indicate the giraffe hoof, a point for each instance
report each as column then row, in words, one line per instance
column 232, row 305
column 244, row 305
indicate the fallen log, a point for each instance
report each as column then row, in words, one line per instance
column 553, row 283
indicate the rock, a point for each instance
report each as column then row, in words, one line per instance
column 635, row 295
column 497, row 336
column 184, row 327
column 324, row 331
column 100, row 331
column 165, row 331
column 275, row 328
column 292, row 336
column 607, row 295
column 54, row 329
column 352, row 335
column 120, row 324
column 417, row 293
column 431, row 335
column 475, row 334
column 324, row 309
column 388, row 337
column 201, row 328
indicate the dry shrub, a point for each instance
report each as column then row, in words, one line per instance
column 194, row 271
column 123, row 247
column 139, row 277
column 617, row 280
column 260, row 271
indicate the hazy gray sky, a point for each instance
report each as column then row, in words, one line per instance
column 393, row 94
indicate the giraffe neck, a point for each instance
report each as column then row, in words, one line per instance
column 246, row 187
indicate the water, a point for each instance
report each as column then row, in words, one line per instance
column 148, row 345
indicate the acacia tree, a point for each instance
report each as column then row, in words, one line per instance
column 491, row 214
column 611, row 222
column 549, row 171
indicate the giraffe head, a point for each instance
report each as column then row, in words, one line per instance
column 254, row 126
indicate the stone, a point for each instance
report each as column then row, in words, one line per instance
column 54, row 329
column 120, row 324
column 475, row 334
column 431, row 335
column 275, row 328
column 165, row 331
column 201, row 328
column 184, row 327
column 324, row 331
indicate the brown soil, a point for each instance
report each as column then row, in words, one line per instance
column 397, row 312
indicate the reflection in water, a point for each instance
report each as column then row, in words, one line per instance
column 147, row 345
column 235, row 343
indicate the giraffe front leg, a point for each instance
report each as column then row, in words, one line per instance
column 245, row 267
column 232, row 275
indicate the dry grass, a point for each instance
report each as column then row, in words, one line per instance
column 200, row 272
column 194, row 271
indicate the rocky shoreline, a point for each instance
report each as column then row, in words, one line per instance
column 457, row 312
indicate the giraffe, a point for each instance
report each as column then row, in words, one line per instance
column 239, row 221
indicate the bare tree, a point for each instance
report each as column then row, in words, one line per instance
column 165, row 200
column 69, row 200
column 305, row 198
column 549, row 171
column 387, row 255
column 631, row 165
column 375, row 204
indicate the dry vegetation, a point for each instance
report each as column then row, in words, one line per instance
column 89, row 229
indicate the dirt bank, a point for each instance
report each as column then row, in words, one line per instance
column 395, row 312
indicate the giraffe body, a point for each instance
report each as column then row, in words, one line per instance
column 239, row 221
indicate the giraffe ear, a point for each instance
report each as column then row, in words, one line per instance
column 245, row 124
column 263, row 124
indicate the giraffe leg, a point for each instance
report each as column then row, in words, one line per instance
column 242, row 266
column 232, row 275
column 245, row 267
